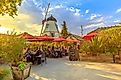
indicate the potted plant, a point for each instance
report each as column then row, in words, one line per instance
column 11, row 50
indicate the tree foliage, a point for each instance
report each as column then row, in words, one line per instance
column 11, row 48
column 107, row 41
column 9, row 7
column 64, row 31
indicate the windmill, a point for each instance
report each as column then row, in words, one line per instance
column 45, row 17
column 49, row 25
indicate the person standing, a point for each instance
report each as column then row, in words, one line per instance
column 77, row 52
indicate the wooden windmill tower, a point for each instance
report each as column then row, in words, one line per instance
column 49, row 25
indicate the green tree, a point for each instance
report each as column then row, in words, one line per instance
column 107, row 41
column 9, row 7
column 113, row 41
column 11, row 49
column 64, row 31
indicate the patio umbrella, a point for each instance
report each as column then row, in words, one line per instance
column 34, row 40
column 25, row 35
column 72, row 40
column 45, row 38
column 59, row 39
column 28, row 37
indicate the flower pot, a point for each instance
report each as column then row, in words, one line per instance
column 20, row 75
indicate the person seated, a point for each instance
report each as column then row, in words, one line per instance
column 59, row 52
column 43, row 55
column 52, row 52
column 28, row 55
column 66, row 53
column 72, row 54
column 33, row 56
column 48, row 53
column 56, row 53
column 38, row 56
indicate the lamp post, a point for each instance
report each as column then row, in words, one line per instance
column 81, row 30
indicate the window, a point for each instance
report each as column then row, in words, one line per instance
column 47, row 25
column 52, row 34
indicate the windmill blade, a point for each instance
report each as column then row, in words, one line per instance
column 47, row 11
column 45, row 17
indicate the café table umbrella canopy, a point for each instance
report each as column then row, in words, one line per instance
column 59, row 39
column 34, row 40
column 25, row 35
column 28, row 37
column 72, row 40
column 45, row 38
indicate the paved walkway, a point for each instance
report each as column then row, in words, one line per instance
column 62, row 69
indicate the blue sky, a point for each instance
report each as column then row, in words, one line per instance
column 89, row 13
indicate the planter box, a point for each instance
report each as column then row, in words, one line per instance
column 17, row 74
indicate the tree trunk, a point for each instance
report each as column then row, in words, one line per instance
column 114, row 58
column 119, row 55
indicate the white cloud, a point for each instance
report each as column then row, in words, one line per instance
column 117, row 21
column 101, row 19
column 96, row 21
column 21, row 23
column 93, row 16
column 35, row 2
column 77, row 12
column 110, row 16
column 87, row 11
column 2, row 19
column 43, row 13
column 58, row 6
column 50, row 9
column 118, row 10
column 4, row 29
column 78, row 4
column 95, row 25
column 33, row 29
column 72, row 9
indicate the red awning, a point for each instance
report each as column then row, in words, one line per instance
column 90, row 36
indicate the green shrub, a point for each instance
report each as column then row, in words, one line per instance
column 3, row 73
column 11, row 49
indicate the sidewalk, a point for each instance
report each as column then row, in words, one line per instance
column 62, row 69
